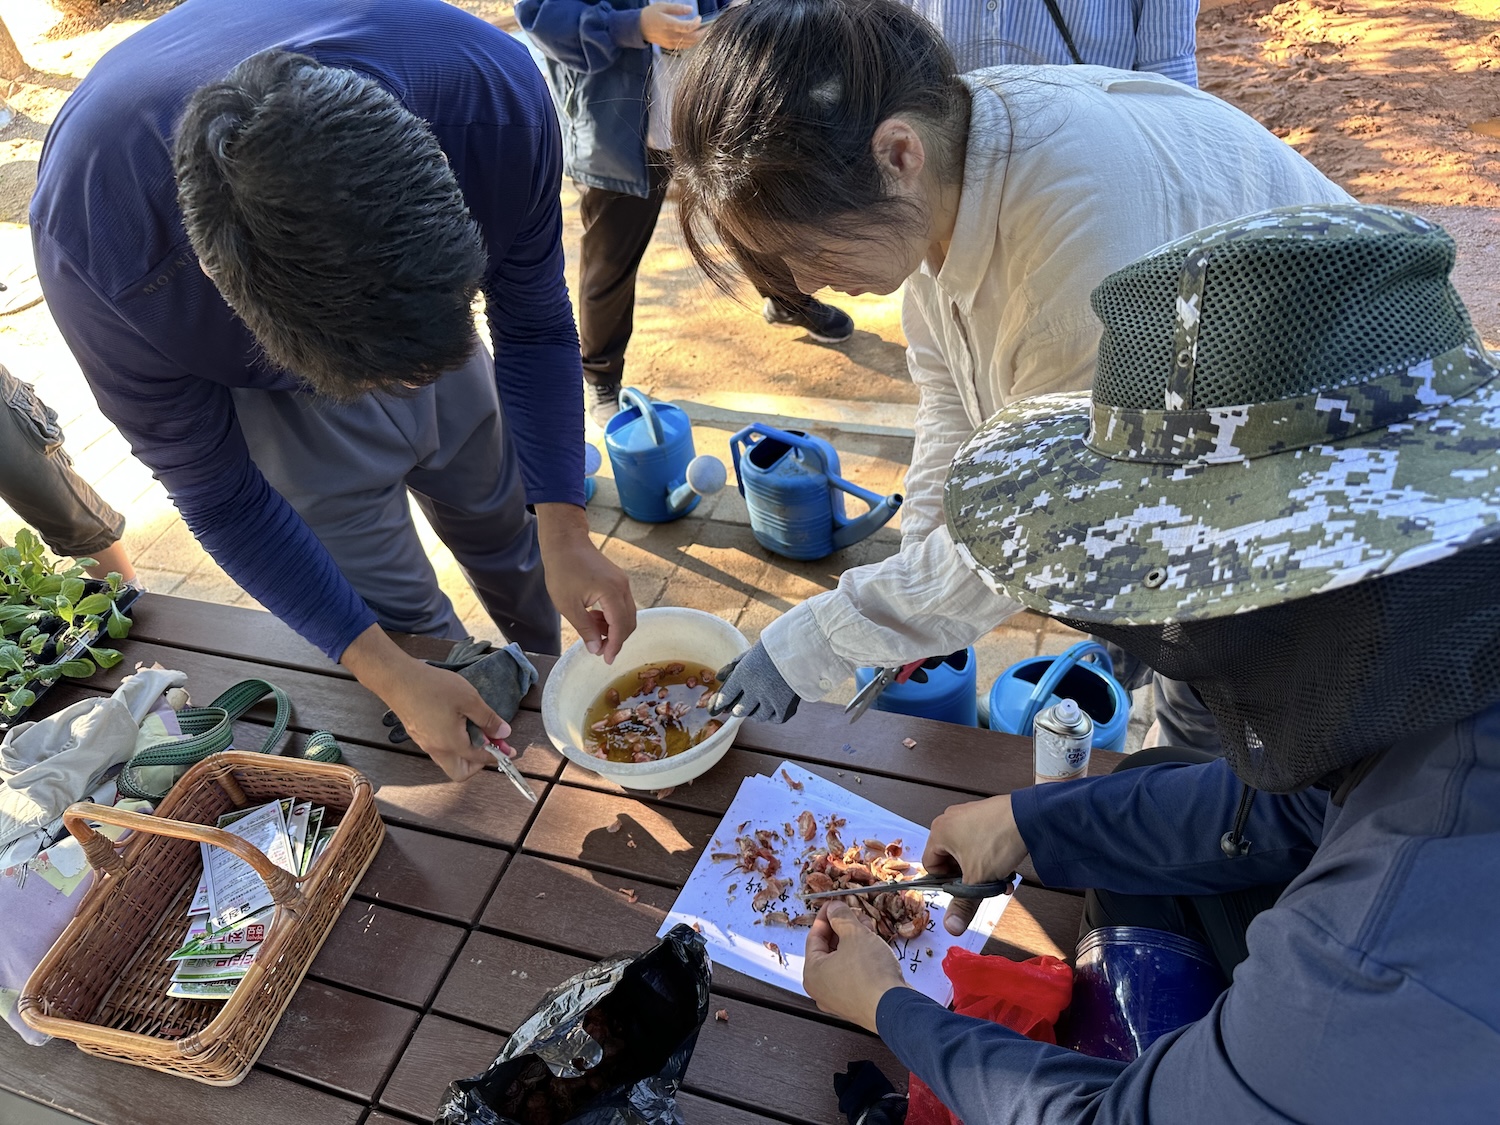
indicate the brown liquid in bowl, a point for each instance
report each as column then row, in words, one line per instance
column 656, row 711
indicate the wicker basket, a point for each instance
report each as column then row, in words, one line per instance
column 104, row 983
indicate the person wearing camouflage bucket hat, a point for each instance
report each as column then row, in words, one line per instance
column 1284, row 490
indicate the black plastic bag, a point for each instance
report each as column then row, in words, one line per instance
column 606, row 1047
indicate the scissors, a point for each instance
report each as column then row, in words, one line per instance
column 884, row 678
column 942, row 883
column 508, row 768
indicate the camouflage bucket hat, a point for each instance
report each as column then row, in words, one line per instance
column 1284, row 404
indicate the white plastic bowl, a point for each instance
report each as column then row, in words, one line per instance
column 661, row 635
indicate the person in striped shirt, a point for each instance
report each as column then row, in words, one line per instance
column 1154, row 35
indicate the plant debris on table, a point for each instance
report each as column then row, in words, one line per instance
column 50, row 622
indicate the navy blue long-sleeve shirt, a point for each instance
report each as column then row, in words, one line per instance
column 1372, row 990
column 161, row 348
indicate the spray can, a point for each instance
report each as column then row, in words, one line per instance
column 1062, row 737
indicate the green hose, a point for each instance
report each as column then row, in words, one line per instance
column 208, row 730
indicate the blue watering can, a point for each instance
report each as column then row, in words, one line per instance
column 945, row 691
column 791, row 484
column 650, row 447
column 591, row 463
column 1132, row 985
column 1026, row 688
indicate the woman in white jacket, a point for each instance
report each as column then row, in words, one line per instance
column 830, row 143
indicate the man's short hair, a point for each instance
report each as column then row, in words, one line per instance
column 328, row 217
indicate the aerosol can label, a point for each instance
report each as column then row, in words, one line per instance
column 1062, row 737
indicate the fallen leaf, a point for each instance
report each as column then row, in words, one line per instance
column 722, row 1015
column 630, row 895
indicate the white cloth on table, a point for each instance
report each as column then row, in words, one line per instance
column 48, row 764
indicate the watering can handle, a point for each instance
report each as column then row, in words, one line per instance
column 632, row 397
column 1059, row 668
column 808, row 448
column 738, row 442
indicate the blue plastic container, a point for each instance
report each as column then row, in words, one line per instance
column 650, row 446
column 1031, row 686
column 948, row 695
column 1132, row 985
column 792, row 488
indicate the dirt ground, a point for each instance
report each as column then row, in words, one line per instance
column 1382, row 95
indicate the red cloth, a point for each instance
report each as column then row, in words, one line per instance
column 1025, row 996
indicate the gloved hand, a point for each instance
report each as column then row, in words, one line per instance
column 502, row 679
column 754, row 689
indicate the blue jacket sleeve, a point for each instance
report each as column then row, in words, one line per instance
column 582, row 36
column 537, row 365
column 1156, row 830
column 1166, row 39
column 184, row 429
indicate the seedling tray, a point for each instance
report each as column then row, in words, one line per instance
column 124, row 602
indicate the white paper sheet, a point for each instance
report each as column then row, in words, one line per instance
column 737, row 935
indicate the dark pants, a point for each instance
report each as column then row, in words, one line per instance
column 1217, row 921
column 617, row 228
column 352, row 471
column 38, row 481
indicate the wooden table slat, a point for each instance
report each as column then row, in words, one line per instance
column 433, row 874
column 573, row 825
column 440, row 1051
column 498, row 982
column 338, row 1038
column 395, row 955
column 319, row 702
column 108, row 1093
column 702, row 1111
column 713, row 792
column 780, row 1062
column 964, row 758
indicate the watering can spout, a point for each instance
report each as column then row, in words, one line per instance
column 705, row 476
column 872, row 521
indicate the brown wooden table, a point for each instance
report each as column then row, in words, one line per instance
column 479, row 902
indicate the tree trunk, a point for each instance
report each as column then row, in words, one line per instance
column 12, row 64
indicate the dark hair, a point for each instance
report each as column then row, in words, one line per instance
column 327, row 215
column 773, row 122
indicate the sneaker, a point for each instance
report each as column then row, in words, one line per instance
column 823, row 323
column 603, row 403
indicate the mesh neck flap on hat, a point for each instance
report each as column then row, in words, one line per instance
column 1306, row 688
column 1275, row 310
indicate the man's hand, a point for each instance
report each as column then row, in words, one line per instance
column 432, row 703
column 589, row 590
column 848, row 968
column 673, row 26
column 979, row 841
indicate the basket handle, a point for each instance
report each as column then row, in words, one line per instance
column 100, row 849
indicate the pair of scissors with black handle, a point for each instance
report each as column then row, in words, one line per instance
column 945, row 883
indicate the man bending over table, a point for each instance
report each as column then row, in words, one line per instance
column 261, row 228
column 1286, row 492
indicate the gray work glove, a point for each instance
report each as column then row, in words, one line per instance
column 502, row 678
column 754, row 689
